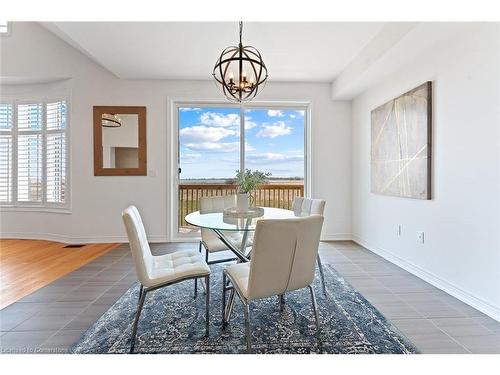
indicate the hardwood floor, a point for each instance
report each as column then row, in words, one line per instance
column 28, row 265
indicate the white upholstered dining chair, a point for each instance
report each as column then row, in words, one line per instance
column 306, row 207
column 283, row 259
column 156, row 272
column 209, row 239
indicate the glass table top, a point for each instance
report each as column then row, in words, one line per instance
column 220, row 221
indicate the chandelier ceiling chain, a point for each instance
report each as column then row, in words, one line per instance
column 241, row 30
column 251, row 71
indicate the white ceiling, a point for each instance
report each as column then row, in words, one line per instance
column 292, row 51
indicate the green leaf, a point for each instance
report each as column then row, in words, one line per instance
column 248, row 180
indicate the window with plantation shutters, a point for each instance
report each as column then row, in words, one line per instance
column 5, row 152
column 33, row 154
column 56, row 152
column 4, row 27
column 29, row 153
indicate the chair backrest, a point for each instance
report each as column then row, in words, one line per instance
column 283, row 255
column 307, row 206
column 138, row 241
column 210, row 205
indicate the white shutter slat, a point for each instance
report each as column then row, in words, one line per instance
column 29, row 168
column 56, row 115
column 56, row 167
column 5, row 168
column 56, row 152
column 29, row 117
column 4, row 27
column 5, row 116
column 6, row 112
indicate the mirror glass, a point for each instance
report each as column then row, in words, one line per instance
column 120, row 140
column 120, row 146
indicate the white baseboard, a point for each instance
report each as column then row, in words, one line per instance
column 464, row 296
column 336, row 237
column 73, row 240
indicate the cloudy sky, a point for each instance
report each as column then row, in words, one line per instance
column 210, row 141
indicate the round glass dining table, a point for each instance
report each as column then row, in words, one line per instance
column 221, row 223
column 225, row 224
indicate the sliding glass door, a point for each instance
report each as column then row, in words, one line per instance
column 275, row 144
column 214, row 141
column 209, row 155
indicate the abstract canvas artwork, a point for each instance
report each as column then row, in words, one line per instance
column 401, row 132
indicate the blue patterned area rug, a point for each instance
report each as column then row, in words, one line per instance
column 173, row 322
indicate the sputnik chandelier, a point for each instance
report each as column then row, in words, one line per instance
column 251, row 72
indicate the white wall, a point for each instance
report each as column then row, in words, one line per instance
column 461, row 253
column 31, row 52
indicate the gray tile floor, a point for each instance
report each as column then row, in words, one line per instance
column 54, row 317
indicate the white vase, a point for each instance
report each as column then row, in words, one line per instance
column 242, row 202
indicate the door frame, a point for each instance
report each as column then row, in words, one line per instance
column 173, row 143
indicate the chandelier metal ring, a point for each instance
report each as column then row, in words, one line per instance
column 243, row 59
column 110, row 120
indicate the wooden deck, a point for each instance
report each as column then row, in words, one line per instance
column 268, row 195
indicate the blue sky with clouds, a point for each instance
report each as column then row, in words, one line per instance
column 210, row 141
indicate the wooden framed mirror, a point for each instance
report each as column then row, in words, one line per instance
column 120, row 141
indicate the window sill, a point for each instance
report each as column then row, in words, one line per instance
column 56, row 210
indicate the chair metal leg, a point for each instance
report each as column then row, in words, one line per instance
column 141, row 290
column 316, row 316
column 207, row 302
column 282, row 302
column 227, row 306
column 224, row 283
column 247, row 327
column 196, row 280
column 230, row 305
column 321, row 274
column 137, row 315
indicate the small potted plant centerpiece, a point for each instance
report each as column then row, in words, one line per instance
column 247, row 182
